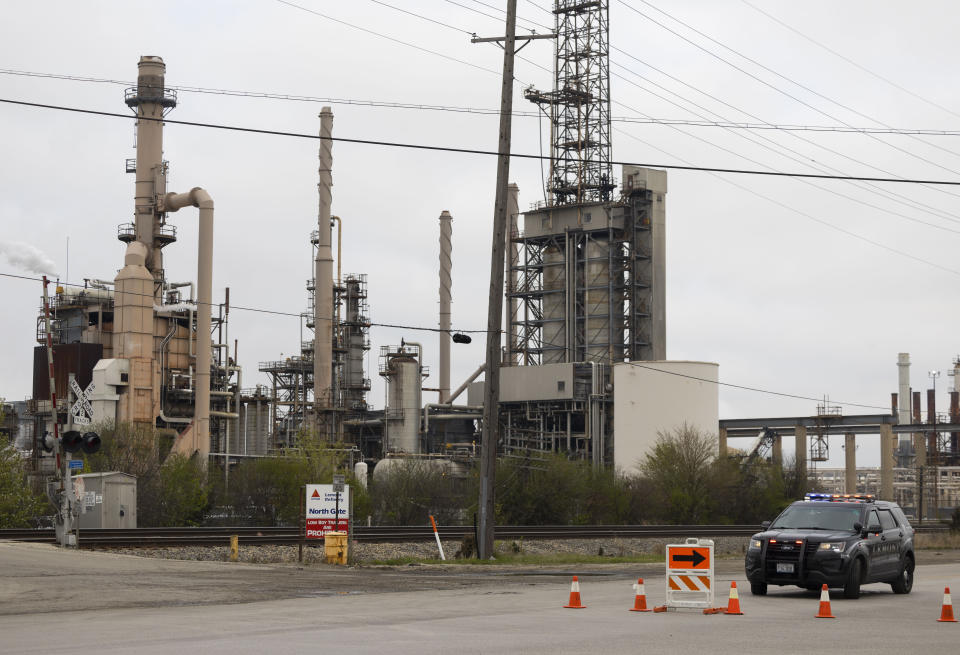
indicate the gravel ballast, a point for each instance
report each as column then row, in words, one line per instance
column 370, row 552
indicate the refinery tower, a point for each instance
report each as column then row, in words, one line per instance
column 585, row 269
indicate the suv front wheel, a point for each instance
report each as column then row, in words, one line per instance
column 851, row 589
column 758, row 588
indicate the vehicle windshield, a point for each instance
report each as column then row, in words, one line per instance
column 818, row 516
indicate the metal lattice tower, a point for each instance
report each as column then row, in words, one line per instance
column 579, row 105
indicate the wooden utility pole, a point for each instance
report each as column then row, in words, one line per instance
column 491, row 393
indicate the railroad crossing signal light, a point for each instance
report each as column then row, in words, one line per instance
column 91, row 443
column 73, row 441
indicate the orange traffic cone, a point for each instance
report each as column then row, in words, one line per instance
column 824, row 612
column 640, row 602
column 575, row 596
column 733, row 605
column 946, row 612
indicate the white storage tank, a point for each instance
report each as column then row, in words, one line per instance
column 660, row 396
column 360, row 473
column 403, row 405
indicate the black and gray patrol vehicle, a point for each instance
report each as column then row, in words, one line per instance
column 841, row 540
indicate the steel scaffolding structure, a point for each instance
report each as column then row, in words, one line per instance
column 579, row 105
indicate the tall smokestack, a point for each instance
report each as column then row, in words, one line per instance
column 150, row 100
column 903, row 396
column 510, row 274
column 903, row 371
column 446, row 229
column 323, row 274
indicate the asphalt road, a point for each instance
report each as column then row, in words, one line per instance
column 55, row 601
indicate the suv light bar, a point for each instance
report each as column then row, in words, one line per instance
column 840, row 498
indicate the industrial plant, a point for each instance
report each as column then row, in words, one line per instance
column 584, row 367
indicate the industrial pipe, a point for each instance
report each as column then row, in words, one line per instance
column 466, row 383
column 469, row 411
column 446, row 228
column 171, row 202
column 177, row 285
column 339, row 260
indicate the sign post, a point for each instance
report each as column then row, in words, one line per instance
column 689, row 575
column 338, row 486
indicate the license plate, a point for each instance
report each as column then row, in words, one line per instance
column 784, row 567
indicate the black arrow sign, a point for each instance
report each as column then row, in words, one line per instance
column 695, row 558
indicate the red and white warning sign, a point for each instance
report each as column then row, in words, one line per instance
column 689, row 576
column 327, row 510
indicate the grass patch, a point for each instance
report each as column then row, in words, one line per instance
column 525, row 559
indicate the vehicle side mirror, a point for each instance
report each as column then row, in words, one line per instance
column 875, row 528
column 765, row 524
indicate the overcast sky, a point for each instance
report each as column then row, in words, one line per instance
column 792, row 286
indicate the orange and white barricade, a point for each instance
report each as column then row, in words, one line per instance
column 689, row 576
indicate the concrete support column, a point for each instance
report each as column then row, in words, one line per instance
column 886, row 461
column 722, row 443
column 778, row 451
column 850, row 474
column 800, row 439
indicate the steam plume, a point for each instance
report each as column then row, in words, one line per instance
column 27, row 258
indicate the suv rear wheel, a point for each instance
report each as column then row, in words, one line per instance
column 904, row 582
column 758, row 588
column 851, row 589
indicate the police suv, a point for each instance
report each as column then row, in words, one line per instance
column 841, row 540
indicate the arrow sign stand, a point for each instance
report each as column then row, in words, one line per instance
column 689, row 574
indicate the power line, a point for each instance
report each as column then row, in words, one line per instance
column 484, row 111
column 457, row 29
column 432, row 20
column 773, row 87
column 806, row 215
column 472, row 151
column 851, row 61
column 426, row 329
column 754, row 389
column 388, row 37
column 775, row 147
column 903, row 199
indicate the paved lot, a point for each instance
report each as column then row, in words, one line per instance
column 155, row 606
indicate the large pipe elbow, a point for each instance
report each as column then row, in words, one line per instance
column 195, row 197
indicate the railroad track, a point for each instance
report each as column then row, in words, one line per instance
column 151, row 537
